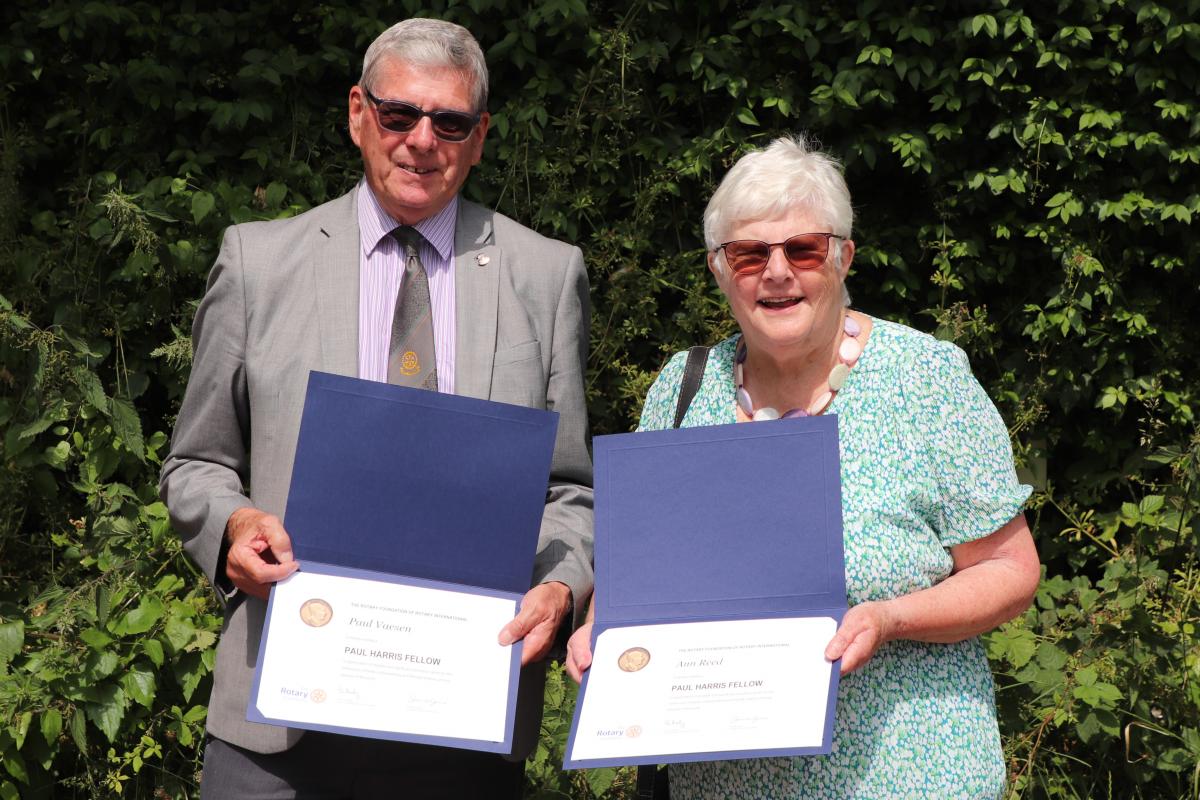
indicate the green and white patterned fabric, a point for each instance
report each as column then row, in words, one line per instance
column 926, row 464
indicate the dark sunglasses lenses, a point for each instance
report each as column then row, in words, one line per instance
column 806, row 251
column 453, row 126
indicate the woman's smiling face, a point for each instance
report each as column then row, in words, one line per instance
column 781, row 308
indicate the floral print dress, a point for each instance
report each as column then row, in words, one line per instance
column 926, row 464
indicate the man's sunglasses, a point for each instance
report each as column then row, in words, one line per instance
column 401, row 117
column 802, row 251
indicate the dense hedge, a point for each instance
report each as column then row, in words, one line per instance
column 1025, row 177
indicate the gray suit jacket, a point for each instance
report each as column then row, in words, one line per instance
column 282, row 299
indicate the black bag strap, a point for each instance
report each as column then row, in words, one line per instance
column 693, row 372
column 652, row 783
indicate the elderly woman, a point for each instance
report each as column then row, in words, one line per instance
column 937, row 549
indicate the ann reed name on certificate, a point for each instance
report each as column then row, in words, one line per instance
column 690, row 691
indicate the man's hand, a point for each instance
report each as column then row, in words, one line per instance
column 579, row 652
column 260, row 551
column 864, row 628
column 542, row 610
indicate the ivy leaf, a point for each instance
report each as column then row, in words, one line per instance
column 108, row 710
column 9, row 792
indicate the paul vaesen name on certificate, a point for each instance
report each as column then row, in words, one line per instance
column 386, row 659
column 706, row 687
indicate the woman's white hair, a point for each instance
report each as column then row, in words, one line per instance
column 787, row 175
column 430, row 43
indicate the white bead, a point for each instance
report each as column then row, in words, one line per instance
column 821, row 403
column 850, row 350
column 765, row 414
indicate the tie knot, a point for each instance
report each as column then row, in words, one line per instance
column 408, row 237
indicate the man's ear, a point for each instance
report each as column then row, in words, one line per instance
column 478, row 135
column 358, row 109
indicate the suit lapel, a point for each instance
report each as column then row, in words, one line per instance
column 336, row 262
column 477, row 265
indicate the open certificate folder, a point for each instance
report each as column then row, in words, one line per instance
column 720, row 579
column 415, row 517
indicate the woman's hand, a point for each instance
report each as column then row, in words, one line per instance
column 579, row 652
column 864, row 628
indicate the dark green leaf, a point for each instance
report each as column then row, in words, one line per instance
column 12, row 638
column 202, row 206
column 108, row 710
column 140, row 684
column 140, row 619
column 79, row 730
column 127, row 426
column 16, row 766
column 52, row 724
column 95, row 638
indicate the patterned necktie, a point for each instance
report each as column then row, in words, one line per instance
column 411, row 359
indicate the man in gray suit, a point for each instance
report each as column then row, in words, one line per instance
column 508, row 313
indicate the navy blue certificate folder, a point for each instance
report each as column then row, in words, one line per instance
column 418, row 487
column 419, row 483
column 729, row 522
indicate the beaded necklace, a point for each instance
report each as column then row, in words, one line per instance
column 848, row 352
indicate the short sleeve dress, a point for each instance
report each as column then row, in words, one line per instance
column 926, row 464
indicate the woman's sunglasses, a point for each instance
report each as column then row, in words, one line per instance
column 401, row 117
column 802, row 251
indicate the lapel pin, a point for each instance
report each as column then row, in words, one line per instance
column 482, row 259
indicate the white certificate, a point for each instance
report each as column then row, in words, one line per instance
column 697, row 689
column 388, row 660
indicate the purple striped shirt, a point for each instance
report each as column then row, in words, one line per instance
column 380, row 273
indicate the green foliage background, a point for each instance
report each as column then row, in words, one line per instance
column 1025, row 177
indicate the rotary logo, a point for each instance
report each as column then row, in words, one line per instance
column 409, row 363
column 317, row 695
column 633, row 731
column 316, row 612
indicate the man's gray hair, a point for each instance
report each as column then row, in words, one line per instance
column 787, row 175
column 430, row 43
